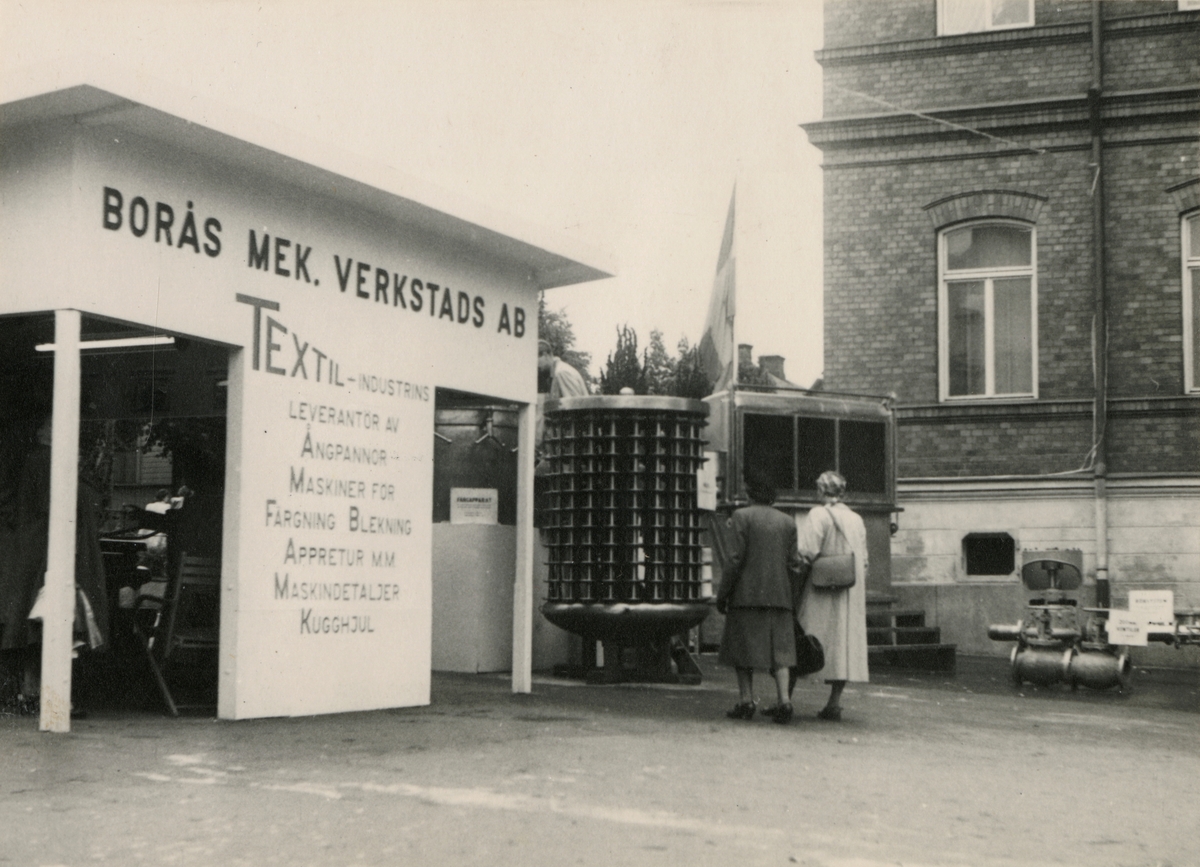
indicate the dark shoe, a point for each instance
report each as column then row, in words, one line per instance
column 832, row 714
column 782, row 713
column 742, row 710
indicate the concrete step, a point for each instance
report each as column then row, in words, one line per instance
column 903, row 635
column 896, row 617
column 917, row 657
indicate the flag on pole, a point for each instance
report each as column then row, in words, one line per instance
column 718, row 351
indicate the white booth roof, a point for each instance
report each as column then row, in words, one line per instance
column 272, row 152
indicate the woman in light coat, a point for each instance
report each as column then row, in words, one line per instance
column 837, row 617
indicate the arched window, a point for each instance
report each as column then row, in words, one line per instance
column 987, row 300
column 1191, row 301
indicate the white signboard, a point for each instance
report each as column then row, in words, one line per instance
column 474, row 506
column 334, row 568
column 1156, row 608
column 1125, row 628
column 342, row 324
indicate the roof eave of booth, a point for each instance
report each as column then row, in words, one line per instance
column 551, row 259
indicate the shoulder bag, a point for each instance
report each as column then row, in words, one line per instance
column 833, row 571
column 810, row 655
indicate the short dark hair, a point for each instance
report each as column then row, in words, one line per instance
column 760, row 487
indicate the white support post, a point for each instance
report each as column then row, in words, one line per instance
column 58, row 603
column 228, row 696
column 522, row 650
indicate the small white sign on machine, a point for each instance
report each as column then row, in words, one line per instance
column 474, row 506
column 1156, row 608
column 1126, row 629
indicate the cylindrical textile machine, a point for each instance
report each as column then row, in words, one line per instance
column 622, row 529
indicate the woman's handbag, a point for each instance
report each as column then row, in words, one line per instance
column 810, row 655
column 834, row 571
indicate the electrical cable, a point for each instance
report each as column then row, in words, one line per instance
column 938, row 120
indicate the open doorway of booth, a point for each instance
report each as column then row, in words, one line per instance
column 474, row 532
column 151, row 463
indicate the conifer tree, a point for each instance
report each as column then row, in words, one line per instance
column 690, row 379
column 623, row 370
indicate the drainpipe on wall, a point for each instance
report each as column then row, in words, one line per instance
column 1100, row 316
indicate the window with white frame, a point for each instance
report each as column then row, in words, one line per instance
column 1191, row 301
column 987, row 298
column 975, row 16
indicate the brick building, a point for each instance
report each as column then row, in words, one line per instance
column 1004, row 180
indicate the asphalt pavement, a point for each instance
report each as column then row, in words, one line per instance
column 924, row 770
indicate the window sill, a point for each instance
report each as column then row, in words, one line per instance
column 987, row 30
column 977, row 400
column 1169, row 405
column 1018, row 37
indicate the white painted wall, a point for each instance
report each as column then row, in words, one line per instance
column 1154, row 535
column 473, row 568
column 1154, row 543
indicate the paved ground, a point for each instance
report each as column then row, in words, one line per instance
column 925, row 770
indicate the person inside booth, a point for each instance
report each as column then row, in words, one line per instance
column 161, row 504
column 20, row 592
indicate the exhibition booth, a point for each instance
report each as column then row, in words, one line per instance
column 291, row 343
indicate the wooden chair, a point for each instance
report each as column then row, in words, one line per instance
column 184, row 622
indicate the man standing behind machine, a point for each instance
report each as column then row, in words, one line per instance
column 562, row 380
column 556, row 379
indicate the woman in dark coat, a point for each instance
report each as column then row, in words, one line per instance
column 32, row 533
column 32, row 526
column 756, row 594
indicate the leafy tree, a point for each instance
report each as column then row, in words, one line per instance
column 196, row 447
column 623, row 370
column 658, row 366
column 555, row 327
column 690, row 379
